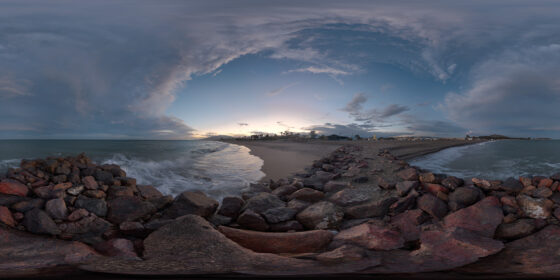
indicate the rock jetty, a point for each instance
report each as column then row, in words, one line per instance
column 352, row 212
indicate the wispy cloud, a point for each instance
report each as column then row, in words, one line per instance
column 243, row 124
column 320, row 70
column 280, row 90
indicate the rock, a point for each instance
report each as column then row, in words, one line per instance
column 555, row 198
column 132, row 228
column 452, row 182
column 9, row 199
column 545, row 183
column 321, row 215
column 531, row 256
column 408, row 174
column 56, row 208
column 148, row 192
column 161, row 202
column 94, row 193
column 128, row 208
column 404, row 187
column 481, row 183
column 482, row 217
column 408, row 223
column 384, row 182
column 77, row 214
column 404, row 203
column 26, row 205
column 307, row 194
column 219, row 220
column 262, row 202
column 515, row 230
column 455, row 247
column 511, row 185
column 536, row 208
column 192, row 202
column 557, row 213
column 13, row 187
column 432, row 205
column 342, row 254
column 360, row 180
column 280, row 214
column 93, row 205
column 38, row 221
column 90, row 183
column 118, row 247
column 30, row 255
column 103, row 177
column 231, row 206
column 353, row 196
column 278, row 243
column 88, row 229
column 542, row 192
column 333, row 186
column 117, row 191
column 62, row 186
column 525, row 181
column 462, row 197
column 434, row 189
column 157, row 223
column 378, row 208
column 324, row 177
column 251, row 220
column 298, row 205
column 370, row 236
column 75, row 190
column 6, row 216
column 428, row 177
column 291, row 225
column 284, row 191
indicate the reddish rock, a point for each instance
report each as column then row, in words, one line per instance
column 546, row 183
column 404, row 187
column 525, row 181
column 455, row 247
column 434, row 188
column 408, row 223
column 371, row 236
column 482, row 217
column 452, row 182
column 509, row 201
column 251, row 220
column 432, row 205
column 408, row 174
column 307, row 194
column 342, row 254
column 90, row 183
column 6, row 216
column 277, row 243
column 148, row 192
column 481, row 183
column 321, row 215
column 77, row 214
column 536, row 208
column 94, row 193
column 118, row 247
column 542, row 192
column 231, row 206
column 13, row 187
column 62, row 186
column 404, row 203
column 190, row 202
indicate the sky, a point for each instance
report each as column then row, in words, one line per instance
column 192, row 69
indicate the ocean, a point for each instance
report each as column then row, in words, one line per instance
column 496, row 159
column 219, row 169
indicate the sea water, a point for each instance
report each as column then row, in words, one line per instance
column 495, row 159
column 219, row 169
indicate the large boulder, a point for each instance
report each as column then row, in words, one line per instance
column 148, row 192
column 516, row 229
column 24, row 254
column 404, row 187
column 371, row 236
column 408, row 223
column 278, row 243
column 93, row 205
column 251, row 220
column 432, row 205
column 482, row 217
column 192, row 202
column 129, row 208
column 13, row 187
column 462, row 197
column 321, row 215
column 88, row 229
column 307, row 194
column 56, row 208
column 280, row 214
column 38, row 221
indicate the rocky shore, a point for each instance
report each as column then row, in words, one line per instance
column 358, row 210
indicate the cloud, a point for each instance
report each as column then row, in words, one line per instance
column 392, row 110
column 320, row 70
column 242, row 124
column 280, row 90
column 347, row 130
column 355, row 106
column 356, row 110
column 512, row 94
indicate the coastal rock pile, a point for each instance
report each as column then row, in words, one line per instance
column 349, row 208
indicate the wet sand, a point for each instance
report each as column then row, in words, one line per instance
column 283, row 158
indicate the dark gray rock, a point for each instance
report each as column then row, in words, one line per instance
column 93, row 205
column 38, row 221
column 280, row 214
column 251, row 220
column 56, row 208
column 129, row 208
column 192, row 202
column 321, row 215
column 262, row 202
column 515, row 230
column 432, row 205
column 231, row 206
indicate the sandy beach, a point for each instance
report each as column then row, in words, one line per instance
column 283, row 158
